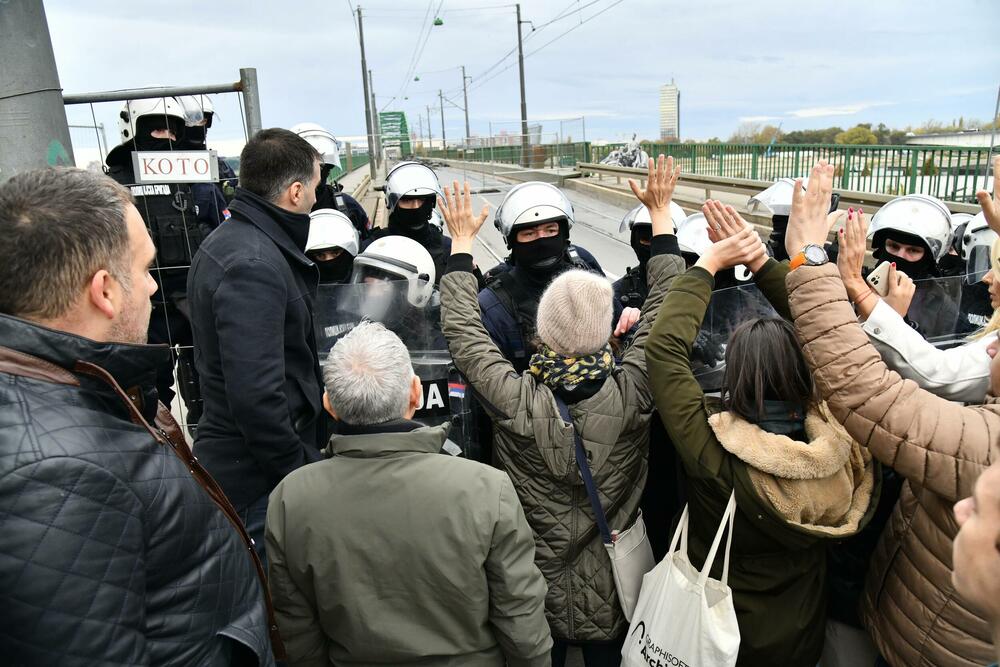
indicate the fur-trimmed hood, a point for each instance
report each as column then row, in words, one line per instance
column 824, row 485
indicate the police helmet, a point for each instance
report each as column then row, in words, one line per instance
column 976, row 244
column 692, row 237
column 398, row 258
column 959, row 221
column 329, row 228
column 156, row 109
column 921, row 216
column 198, row 109
column 640, row 216
column 410, row 179
column 530, row 204
column 777, row 198
column 319, row 138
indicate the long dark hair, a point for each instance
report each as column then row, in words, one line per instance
column 764, row 362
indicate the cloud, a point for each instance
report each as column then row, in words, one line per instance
column 757, row 119
column 843, row 110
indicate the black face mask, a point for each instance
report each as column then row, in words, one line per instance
column 148, row 143
column 336, row 270
column 326, row 196
column 541, row 255
column 642, row 251
column 412, row 218
column 951, row 265
column 922, row 268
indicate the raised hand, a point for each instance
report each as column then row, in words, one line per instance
column 901, row 289
column 725, row 221
column 660, row 183
column 463, row 224
column 991, row 204
column 808, row 223
column 851, row 256
column 745, row 247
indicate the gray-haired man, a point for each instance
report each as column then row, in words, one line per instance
column 390, row 552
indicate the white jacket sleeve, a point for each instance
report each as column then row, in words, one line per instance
column 958, row 374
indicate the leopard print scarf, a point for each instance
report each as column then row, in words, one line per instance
column 554, row 369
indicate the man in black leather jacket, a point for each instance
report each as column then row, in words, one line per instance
column 115, row 547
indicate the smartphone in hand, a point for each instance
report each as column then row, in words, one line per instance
column 878, row 279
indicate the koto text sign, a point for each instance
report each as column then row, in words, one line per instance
column 175, row 166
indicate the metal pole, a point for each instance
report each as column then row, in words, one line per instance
column 376, row 121
column 465, row 95
column 430, row 132
column 584, row 119
column 420, row 122
column 368, row 110
column 444, row 144
column 251, row 100
column 33, row 128
column 524, row 104
column 491, row 141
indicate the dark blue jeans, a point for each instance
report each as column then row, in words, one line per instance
column 253, row 517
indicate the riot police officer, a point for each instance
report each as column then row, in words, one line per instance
column 172, row 217
column 535, row 219
column 411, row 192
column 974, row 246
column 914, row 232
column 631, row 289
column 331, row 194
column 210, row 198
column 332, row 244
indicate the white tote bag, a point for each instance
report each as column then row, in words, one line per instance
column 683, row 617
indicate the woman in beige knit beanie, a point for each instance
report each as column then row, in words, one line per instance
column 608, row 402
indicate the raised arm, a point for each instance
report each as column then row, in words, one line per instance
column 665, row 263
column 933, row 442
column 679, row 398
column 475, row 354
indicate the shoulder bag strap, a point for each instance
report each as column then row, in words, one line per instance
column 588, row 480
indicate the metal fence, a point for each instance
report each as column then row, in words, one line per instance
column 551, row 155
column 947, row 172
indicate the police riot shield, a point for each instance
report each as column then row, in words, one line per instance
column 727, row 309
column 444, row 397
column 946, row 310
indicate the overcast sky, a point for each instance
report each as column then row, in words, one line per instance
column 802, row 64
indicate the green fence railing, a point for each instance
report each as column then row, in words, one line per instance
column 356, row 161
column 539, row 155
column 947, row 172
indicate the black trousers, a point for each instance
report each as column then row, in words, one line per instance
column 595, row 654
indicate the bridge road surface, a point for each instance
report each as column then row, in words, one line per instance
column 595, row 228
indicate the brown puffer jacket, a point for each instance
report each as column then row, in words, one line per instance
column 939, row 447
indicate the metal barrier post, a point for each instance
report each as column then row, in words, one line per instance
column 251, row 100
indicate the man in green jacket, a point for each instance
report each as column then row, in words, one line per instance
column 390, row 552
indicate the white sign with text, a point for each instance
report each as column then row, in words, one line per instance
column 175, row 166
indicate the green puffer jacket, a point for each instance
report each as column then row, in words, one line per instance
column 535, row 447
column 792, row 497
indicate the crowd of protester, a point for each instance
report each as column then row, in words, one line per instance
column 321, row 524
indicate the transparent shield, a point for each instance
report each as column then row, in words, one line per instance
column 937, row 308
column 727, row 309
column 444, row 397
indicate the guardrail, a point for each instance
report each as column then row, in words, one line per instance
column 744, row 186
column 947, row 172
column 349, row 164
column 539, row 155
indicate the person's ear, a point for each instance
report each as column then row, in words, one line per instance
column 416, row 396
column 328, row 407
column 103, row 291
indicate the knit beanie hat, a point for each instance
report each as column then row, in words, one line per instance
column 574, row 314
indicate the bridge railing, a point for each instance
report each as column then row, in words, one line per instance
column 947, row 172
column 553, row 155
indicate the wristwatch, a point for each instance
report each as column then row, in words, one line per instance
column 811, row 255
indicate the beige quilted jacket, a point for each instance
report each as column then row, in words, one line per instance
column 939, row 447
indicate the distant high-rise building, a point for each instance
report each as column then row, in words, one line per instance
column 670, row 112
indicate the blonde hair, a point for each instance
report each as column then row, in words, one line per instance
column 994, row 323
